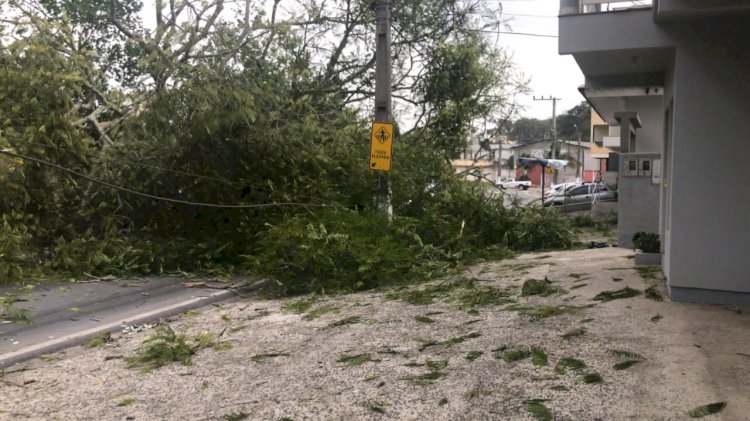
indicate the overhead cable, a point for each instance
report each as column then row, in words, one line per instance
column 155, row 197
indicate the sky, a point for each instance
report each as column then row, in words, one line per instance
column 535, row 54
column 550, row 73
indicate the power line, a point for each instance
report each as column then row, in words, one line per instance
column 515, row 33
column 189, row 174
column 156, row 167
column 529, row 15
column 154, row 197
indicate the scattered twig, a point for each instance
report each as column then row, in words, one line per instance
column 10, row 383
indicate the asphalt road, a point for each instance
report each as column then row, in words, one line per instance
column 64, row 314
column 523, row 196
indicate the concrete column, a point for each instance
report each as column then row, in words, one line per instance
column 569, row 7
column 629, row 122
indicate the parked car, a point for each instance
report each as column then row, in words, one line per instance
column 511, row 183
column 582, row 193
column 556, row 189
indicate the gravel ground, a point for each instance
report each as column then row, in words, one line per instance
column 416, row 370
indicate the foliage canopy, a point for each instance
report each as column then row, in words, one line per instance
column 257, row 106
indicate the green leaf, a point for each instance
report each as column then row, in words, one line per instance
column 569, row 363
column 626, row 292
column 626, row 364
column 705, row 410
column 355, row 360
column 626, row 354
column 574, row 333
column 516, row 354
column 590, row 378
column 538, row 356
column 538, row 409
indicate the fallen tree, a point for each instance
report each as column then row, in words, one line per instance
column 207, row 144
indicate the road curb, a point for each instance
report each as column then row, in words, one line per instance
column 67, row 341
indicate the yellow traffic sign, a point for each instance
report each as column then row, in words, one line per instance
column 381, row 146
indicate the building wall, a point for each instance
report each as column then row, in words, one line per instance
column 650, row 137
column 668, row 156
column 638, row 201
column 710, row 207
column 488, row 169
column 599, row 132
column 535, row 150
column 532, row 173
column 705, row 210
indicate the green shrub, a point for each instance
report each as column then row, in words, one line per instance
column 162, row 348
column 442, row 222
column 342, row 251
column 166, row 346
column 582, row 221
column 98, row 340
column 539, row 228
column 459, row 216
column 14, row 254
column 647, row 242
column 11, row 313
column 539, row 287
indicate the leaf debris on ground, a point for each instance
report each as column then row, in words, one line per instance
column 626, row 292
column 591, row 378
column 569, row 363
column 573, row 333
column 345, row 321
column 355, row 360
column 259, row 358
column 537, row 408
column 705, row 410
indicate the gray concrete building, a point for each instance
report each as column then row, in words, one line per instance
column 674, row 75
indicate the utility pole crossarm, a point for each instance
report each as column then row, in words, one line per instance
column 554, row 126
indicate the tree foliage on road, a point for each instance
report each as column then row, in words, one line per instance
column 242, row 103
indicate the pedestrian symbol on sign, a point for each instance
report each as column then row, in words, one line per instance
column 383, row 135
column 381, row 146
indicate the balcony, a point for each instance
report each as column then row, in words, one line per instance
column 663, row 10
column 580, row 7
column 608, row 26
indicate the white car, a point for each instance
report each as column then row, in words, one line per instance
column 511, row 183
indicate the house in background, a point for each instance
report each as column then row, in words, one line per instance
column 491, row 158
column 602, row 136
column 587, row 171
column 674, row 76
column 473, row 168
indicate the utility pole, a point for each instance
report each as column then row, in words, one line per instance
column 499, row 160
column 383, row 96
column 554, row 127
column 581, row 157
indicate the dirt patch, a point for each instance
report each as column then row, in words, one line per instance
column 448, row 355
